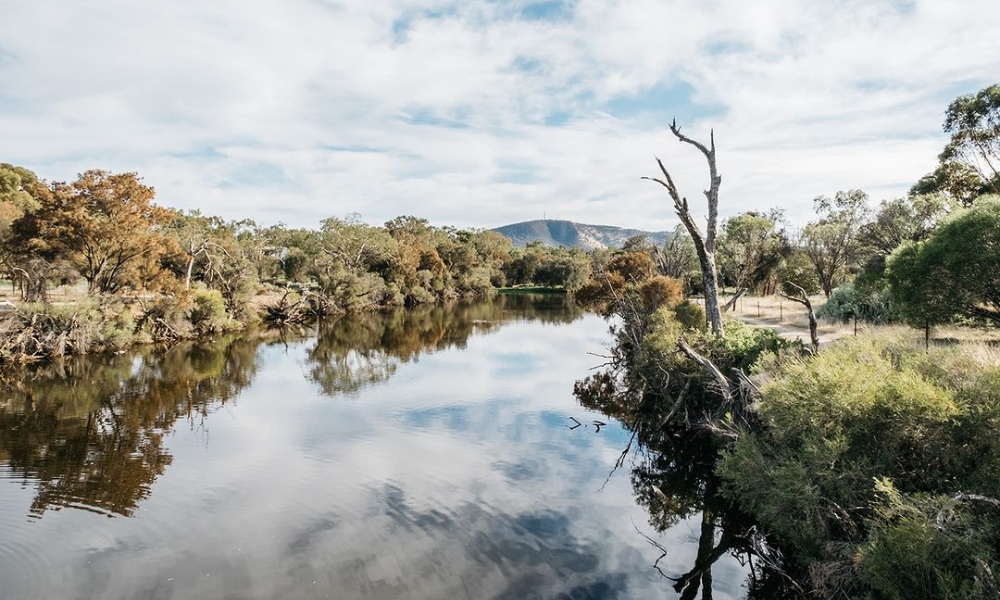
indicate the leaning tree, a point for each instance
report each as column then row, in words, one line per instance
column 704, row 244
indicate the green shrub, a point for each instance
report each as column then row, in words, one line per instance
column 866, row 444
column 118, row 332
column 691, row 316
column 847, row 303
column 742, row 345
column 926, row 547
column 208, row 312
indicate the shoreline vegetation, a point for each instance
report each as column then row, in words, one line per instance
column 866, row 468
column 79, row 324
column 95, row 265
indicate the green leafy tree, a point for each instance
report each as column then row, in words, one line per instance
column 353, row 259
column 751, row 248
column 831, row 243
column 19, row 192
column 216, row 254
column 295, row 251
column 969, row 166
column 955, row 272
column 494, row 252
column 798, row 269
column 896, row 222
column 566, row 268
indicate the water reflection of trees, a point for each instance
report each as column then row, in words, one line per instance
column 90, row 430
column 360, row 350
column 672, row 468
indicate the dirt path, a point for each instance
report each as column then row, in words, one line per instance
column 791, row 331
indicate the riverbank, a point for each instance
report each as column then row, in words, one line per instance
column 869, row 469
column 75, row 323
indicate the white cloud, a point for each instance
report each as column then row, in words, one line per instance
column 294, row 111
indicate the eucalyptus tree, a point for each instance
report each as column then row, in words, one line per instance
column 353, row 260
column 896, row 222
column 969, row 165
column 831, row 243
column 214, row 254
column 954, row 272
column 678, row 258
column 19, row 191
column 751, row 248
column 18, row 194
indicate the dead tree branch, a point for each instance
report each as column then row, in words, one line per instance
column 803, row 299
column 725, row 387
column 704, row 244
column 731, row 304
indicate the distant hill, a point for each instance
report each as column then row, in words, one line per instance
column 574, row 235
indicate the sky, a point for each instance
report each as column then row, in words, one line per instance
column 481, row 113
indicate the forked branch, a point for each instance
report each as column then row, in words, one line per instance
column 803, row 298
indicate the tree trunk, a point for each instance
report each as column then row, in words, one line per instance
column 710, row 275
column 187, row 276
column 803, row 299
column 34, row 280
column 704, row 245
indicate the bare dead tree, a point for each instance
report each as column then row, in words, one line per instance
column 803, row 298
column 704, row 244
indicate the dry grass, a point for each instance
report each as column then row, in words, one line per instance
column 57, row 295
column 778, row 312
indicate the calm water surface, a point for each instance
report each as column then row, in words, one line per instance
column 425, row 454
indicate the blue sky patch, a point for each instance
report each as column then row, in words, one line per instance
column 256, row 174
column 401, row 26
column 554, row 10
column 662, row 103
column 426, row 116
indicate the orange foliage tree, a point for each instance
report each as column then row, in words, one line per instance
column 106, row 226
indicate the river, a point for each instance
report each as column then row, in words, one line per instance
column 431, row 453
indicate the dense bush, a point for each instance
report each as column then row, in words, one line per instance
column 691, row 316
column 847, row 302
column 865, row 446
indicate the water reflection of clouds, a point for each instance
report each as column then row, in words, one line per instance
column 464, row 486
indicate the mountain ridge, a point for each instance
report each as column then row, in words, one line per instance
column 557, row 232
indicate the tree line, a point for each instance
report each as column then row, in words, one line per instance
column 927, row 258
column 106, row 229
